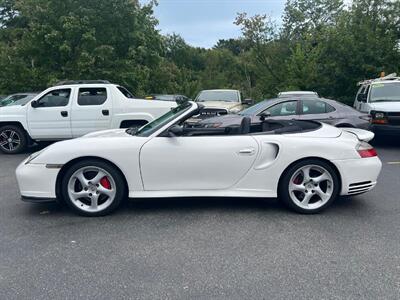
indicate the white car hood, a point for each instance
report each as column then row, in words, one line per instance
column 386, row 106
column 108, row 134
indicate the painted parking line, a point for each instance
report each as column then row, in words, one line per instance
column 393, row 163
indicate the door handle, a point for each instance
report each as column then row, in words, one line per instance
column 105, row 112
column 248, row 151
column 64, row 113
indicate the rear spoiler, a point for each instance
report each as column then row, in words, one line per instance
column 361, row 134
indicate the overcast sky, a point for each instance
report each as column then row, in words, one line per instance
column 203, row 22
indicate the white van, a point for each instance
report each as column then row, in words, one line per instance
column 381, row 99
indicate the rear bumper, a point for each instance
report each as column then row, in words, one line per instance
column 385, row 129
column 358, row 175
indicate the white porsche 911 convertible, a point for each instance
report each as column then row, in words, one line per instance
column 306, row 164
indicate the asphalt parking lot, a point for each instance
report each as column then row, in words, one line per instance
column 203, row 248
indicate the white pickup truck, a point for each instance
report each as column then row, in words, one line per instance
column 72, row 109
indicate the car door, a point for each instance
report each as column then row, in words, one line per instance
column 317, row 110
column 51, row 118
column 196, row 162
column 92, row 110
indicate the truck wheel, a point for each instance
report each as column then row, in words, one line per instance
column 13, row 139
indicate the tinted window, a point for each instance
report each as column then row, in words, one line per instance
column 283, row 109
column 125, row 92
column 92, row 96
column 312, row 107
column 55, row 98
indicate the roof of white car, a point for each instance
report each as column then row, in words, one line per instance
column 85, row 84
column 220, row 90
column 385, row 81
column 298, row 93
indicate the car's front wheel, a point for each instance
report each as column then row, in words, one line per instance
column 93, row 188
column 13, row 139
column 309, row 186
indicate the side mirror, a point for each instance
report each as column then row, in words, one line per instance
column 362, row 98
column 248, row 101
column 265, row 115
column 34, row 104
column 175, row 130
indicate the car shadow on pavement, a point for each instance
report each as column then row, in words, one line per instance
column 197, row 205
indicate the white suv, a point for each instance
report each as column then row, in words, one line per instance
column 381, row 99
column 72, row 109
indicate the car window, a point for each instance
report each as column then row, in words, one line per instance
column 125, row 92
column 218, row 95
column 55, row 98
column 283, row 109
column 385, row 92
column 21, row 101
column 252, row 110
column 312, row 107
column 92, row 96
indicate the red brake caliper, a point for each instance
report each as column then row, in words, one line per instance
column 105, row 183
column 297, row 180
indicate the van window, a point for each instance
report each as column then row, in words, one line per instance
column 92, row 96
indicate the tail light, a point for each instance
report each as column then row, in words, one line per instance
column 378, row 117
column 365, row 150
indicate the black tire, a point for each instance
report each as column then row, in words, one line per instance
column 284, row 193
column 17, row 134
column 116, row 175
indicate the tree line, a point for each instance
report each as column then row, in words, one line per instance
column 321, row 45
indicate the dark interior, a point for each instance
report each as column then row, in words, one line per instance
column 246, row 127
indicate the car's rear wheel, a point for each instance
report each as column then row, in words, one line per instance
column 309, row 186
column 13, row 139
column 93, row 188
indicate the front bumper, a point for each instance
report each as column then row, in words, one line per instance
column 36, row 182
column 388, row 130
column 358, row 175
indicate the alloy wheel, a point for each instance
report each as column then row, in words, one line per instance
column 91, row 189
column 311, row 187
column 9, row 140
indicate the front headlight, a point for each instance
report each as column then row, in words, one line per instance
column 33, row 156
column 379, row 115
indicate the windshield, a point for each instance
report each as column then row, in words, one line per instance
column 16, row 100
column 382, row 92
column 253, row 110
column 227, row 96
column 152, row 127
